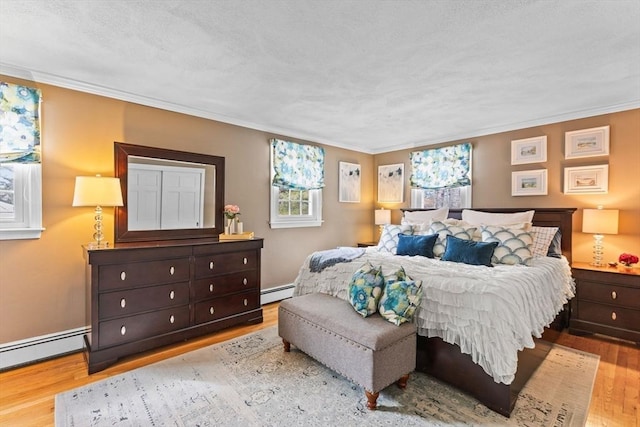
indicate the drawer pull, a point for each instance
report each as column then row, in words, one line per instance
column 245, row 281
column 172, row 295
column 614, row 295
column 211, row 265
column 245, row 302
column 613, row 316
column 172, row 270
column 211, row 287
column 123, row 330
column 172, row 319
column 123, row 303
column 245, row 260
column 123, row 275
column 211, row 310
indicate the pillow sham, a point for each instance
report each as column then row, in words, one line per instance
column 365, row 289
column 420, row 220
column 443, row 230
column 389, row 238
column 490, row 218
column 469, row 251
column 555, row 248
column 402, row 296
column 413, row 245
column 542, row 238
column 513, row 244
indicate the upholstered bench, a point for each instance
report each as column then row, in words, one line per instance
column 371, row 351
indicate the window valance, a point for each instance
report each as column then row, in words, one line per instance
column 445, row 167
column 297, row 166
column 19, row 123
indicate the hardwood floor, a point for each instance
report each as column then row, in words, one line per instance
column 27, row 393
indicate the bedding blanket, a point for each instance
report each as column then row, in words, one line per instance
column 489, row 312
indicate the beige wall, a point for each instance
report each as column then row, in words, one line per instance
column 42, row 281
column 492, row 177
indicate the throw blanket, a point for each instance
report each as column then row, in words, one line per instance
column 489, row 312
column 323, row 259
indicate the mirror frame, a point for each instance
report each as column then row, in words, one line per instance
column 122, row 152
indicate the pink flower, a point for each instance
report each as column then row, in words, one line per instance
column 627, row 259
column 231, row 211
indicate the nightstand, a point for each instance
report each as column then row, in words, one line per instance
column 607, row 302
column 367, row 244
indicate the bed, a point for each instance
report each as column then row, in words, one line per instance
column 491, row 352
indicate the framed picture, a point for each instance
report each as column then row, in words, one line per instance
column 586, row 143
column 529, row 183
column 391, row 183
column 530, row 150
column 349, row 182
column 586, row 179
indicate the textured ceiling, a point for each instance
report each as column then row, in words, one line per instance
column 373, row 76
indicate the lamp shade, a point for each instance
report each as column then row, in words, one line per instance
column 600, row 221
column 382, row 216
column 97, row 191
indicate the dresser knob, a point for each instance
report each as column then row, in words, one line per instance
column 123, row 275
column 245, row 260
column 211, row 310
column 123, row 330
column 614, row 316
column 123, row 303
column 246, row 302
column 614, row 295
column 172, row 295
column 211, row 265
column 245, row 281
column 211, row 287
column 172, row 270
column 172, row 319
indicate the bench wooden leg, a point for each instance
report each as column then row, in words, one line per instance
column 287, row 345
column 372, row 399
column 402, row 382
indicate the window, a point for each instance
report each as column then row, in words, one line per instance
column 297, row 177
column 20, row 169
column 441, row 177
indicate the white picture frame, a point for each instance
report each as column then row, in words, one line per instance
column 391, row 183
column 529, row 183
column 529, row 150
column 583, row 143
column 586, row 179
column 350, row 181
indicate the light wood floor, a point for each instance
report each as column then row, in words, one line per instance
column 27, row 393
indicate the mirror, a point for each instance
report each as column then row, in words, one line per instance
column 168, row 194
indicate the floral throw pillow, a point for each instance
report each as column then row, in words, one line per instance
column 402, row 296
column 365, row 289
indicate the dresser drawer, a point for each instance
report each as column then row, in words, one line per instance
column 229, row 283
column 211, row 265
column 132, row 328
column 609, row 294
column 217, row 308
column 115, row 276
column 128, row 302
column 622, row 318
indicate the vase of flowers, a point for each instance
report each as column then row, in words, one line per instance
column 627, row 260
column 231, row 213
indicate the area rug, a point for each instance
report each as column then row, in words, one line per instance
column 251, row 381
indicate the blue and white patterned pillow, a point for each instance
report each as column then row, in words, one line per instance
column 514, row 244
column 443, row 230
column 402, row 296
column 389, row 238
column 365, row 289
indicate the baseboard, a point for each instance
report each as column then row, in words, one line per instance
column 31, row 350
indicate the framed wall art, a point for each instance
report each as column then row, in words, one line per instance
column 586, row 179
column 391, row 183
column 529, row 150
column 349, row 182
column 529, row 183
column 586, row 143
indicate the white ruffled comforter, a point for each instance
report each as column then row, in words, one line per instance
column 491, row 313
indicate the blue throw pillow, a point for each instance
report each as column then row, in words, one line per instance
column 469, row 251
column 413, row 245
column 555, row 248
column 365, row 289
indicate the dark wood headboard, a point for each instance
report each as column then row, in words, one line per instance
column 543, row 217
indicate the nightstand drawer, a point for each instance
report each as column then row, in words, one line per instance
column 622, row 318
column 609, row 294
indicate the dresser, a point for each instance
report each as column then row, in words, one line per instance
column 145, row 295
column 607, row 301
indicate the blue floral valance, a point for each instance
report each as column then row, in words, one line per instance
column 19, row 123
column 297, row 166
column 445, row 167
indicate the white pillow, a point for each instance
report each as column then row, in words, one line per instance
column 489, row 218
column 420, row 220
column 542, row 238
column 389, row 238
column 514, row 244
column 443, row 230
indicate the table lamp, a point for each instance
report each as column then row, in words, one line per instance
column 598, row 222
column 382, row 218
column 97, row 191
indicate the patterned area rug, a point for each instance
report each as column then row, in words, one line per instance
column 251, row 381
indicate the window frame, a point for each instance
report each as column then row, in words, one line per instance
column 417, row 201
column 27, row 202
